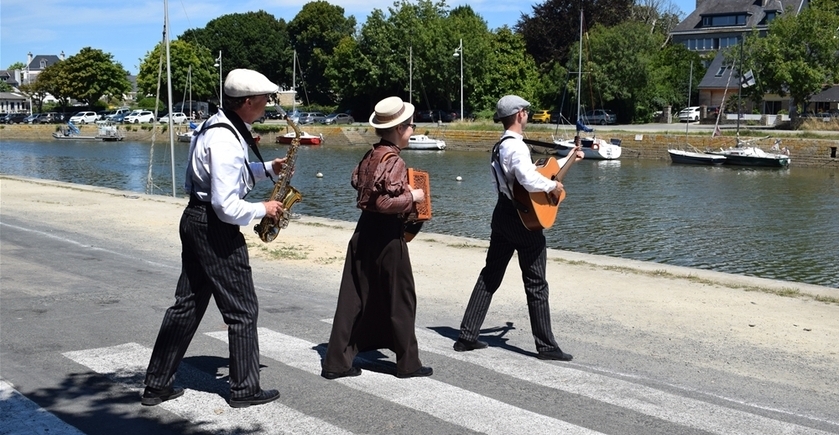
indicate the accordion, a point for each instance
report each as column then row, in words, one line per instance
column 418, row 179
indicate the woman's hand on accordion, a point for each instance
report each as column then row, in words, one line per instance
column 418, row 195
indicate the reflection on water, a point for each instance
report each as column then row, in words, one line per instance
column 780, row 224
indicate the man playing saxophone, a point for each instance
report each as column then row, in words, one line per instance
column 214, row 253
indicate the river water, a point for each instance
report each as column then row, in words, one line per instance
column 779, row 224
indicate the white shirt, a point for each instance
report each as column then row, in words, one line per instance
column 517, row 164
column 218, row 173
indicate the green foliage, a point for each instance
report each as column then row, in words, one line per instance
column 92, row 74
column 185, row 59
column 315, row 32
column 16, row 65
column 554, row 25
column 5, row 87
column 798, row 56
column 253, row 40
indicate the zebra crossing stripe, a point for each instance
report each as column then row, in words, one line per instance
column 203, row 403
column 28, row 417
column 446, row 402
column 646, row 400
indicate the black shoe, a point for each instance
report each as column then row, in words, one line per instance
column 353, row 371
column 556, row 355
column 260, row 398
column 462, row 345
column 156, row 396
column 422, row 371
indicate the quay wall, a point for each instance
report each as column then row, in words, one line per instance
column 804, row 152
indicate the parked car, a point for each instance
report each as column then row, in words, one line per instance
column 31, row 118
column 139, row 116
column 84, row 118
column 541, row 116
column 177, row 118
column 338, row 118
column 449, row 115
column 49, row 118
column 689, row 114
column 120, row 113
column 435, row 115
column 599, row 116
column 312, row 117
column 14, row 118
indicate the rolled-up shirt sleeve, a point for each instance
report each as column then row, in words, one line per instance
column 518, row 163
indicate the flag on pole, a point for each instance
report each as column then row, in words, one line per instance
column 748, row 79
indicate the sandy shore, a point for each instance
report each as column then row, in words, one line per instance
column 641, row 307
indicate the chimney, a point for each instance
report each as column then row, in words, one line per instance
column 61, row 56
column 28, row 59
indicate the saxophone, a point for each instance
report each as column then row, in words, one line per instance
column 268, row 228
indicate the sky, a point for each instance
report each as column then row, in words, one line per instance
column 129, row 29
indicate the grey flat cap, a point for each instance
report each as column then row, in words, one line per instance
column 509, row 105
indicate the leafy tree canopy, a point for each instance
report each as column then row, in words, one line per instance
column 87, row 76
column 253, row 40
column 554, row 25
column 315, row 32
column 798, row 56
column 185, row 59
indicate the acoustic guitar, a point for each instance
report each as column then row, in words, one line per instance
column 537, row 210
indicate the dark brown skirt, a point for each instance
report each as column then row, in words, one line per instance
column 377, row 301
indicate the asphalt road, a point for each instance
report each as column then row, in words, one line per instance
column 80, row 313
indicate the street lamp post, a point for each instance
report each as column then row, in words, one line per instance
column 220, row 89
column 458, row 52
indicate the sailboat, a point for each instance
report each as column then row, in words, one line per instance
column 744, row 153
column 592, row 146
column 693, row 156
column 419, row 141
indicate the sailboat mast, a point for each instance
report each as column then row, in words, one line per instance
column 690, row 88
column 580, row 72
column 410, row 74
column 294, row 82
column 169, row 99
column 740, row 89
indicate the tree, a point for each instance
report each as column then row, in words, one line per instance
column 92, row 74
column 55, row 81
column 314, row 33
column 798, row 56
column 554, row 26
column 16, row 66
column 253, row 40
column 183, row 56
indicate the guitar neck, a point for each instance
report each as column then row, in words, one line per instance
column 572, row 157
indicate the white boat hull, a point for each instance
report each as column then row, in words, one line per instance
column 423, row 142
column 593, row 149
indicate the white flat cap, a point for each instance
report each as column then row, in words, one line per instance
column 245, row 82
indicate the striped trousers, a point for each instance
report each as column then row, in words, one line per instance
column 509, row 235
column 215, row 263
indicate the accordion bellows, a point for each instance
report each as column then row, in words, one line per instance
column 418, row 179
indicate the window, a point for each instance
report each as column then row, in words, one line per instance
column 724, row 20
column 721, row 71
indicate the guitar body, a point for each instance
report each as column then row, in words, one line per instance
column 540, row 209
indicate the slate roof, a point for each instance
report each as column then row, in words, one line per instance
column 755, row 9
column 829, row 95
column 46, row 59
column 711, row 81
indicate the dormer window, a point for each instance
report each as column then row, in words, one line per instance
column 43, row 63
column 724, row 20
column 770, row 15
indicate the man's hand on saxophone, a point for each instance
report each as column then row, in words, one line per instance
column 278, row 164
column 273, row 209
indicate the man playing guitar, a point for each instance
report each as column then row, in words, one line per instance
column 511, row 163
